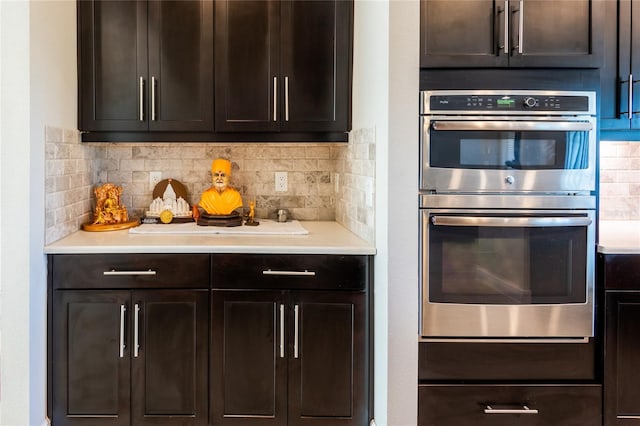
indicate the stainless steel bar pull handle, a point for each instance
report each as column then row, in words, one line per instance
column 286, row 99
column 114, row 272
column 153, row 98
column 141, row 98
column 296, row 273
column 497, row 221
column 521, row 27
column 281, row 330
column 275, row 98
column 630, row 114
column 296, row 333
column 524, row 410
column 122, row 344
column 506, row 27
column 136, row 342
column 568, row 126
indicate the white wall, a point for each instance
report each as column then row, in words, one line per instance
column 402, row 207
column 38, row 66
column 14, row 213
column 386, row 73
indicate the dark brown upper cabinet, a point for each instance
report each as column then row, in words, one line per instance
column 145, row 66
column 511, row 33
column 620, row 75
column 283, row 66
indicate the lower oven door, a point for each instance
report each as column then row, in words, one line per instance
column 514, row 274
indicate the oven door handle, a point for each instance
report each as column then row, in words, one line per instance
column 494, row 221
column 515, row 125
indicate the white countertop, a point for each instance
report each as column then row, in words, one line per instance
column 323, row 238
column 619, row 237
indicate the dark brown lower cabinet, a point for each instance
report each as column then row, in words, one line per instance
column 622, row 358
column 129, row 357
column 294, row 358
column 509, row 405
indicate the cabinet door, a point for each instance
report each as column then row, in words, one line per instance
column 622, row 352
column 316, row 65
column 556, row 33
column 248, row 358
column 247, row 66
column 90, row 358
column 181, row 65
column 621, row 64
column 327, row 359
column 112, row 44
column 467, row 33
column 169, row 357
column 614, row 98
column 634, row 40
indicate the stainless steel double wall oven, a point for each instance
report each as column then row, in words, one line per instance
column 507, row 211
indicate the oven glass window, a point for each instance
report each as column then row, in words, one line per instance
column 509, row 150
column 507, row 265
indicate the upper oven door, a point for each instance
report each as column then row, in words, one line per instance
column 508, row 154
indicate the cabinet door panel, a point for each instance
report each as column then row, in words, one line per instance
column 316, row 63
column 181, row 65
column 113, row 57
column 90, row 378
column 557, row 33
column 169, row 369
column 635, row 62
column 246, row 63
column 248, row 374
column 326, row 381
column 462, row 33
column 622, row 343
column 614, row 98
column 622, row 61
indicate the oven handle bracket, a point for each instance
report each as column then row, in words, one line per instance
column 512, row 125
column 493, row 221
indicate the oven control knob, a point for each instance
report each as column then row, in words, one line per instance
column 530, row 102
column 509, row 180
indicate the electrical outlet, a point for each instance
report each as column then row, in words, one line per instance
column 154, row 179
column 281, row 181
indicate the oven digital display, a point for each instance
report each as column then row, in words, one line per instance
column 506, row 103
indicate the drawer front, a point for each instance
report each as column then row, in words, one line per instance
column 477, row 361
column 334, row 272
column 503, row 405
column 621, row 271
column 130, row 271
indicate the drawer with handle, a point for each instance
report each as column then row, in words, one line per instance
column 302, row 272
column 113, row 271
column 508, row 405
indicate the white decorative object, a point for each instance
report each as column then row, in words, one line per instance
column 179, row 207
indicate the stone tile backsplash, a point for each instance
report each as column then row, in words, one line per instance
column 619, row 180
column 326, row 181
column 68, row 182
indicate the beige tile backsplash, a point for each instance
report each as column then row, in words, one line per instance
column 73, row 169
column 619, row 180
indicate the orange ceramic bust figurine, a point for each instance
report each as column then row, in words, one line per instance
column 220, row 199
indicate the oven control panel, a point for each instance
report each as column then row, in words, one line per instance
column 491, row 102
